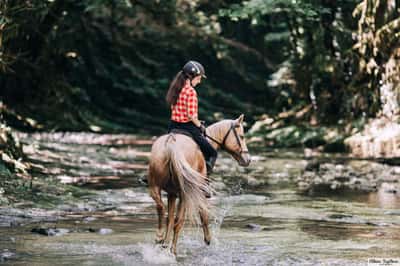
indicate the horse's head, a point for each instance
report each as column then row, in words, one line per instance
column 234, row 141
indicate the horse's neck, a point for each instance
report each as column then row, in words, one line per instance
column 217, row 131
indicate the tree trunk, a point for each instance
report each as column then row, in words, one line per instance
column 390, row 88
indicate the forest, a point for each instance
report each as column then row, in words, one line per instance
column 114, row 60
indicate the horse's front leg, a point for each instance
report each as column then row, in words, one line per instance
column 204, row 223
column 180, row 220
column 155, row 193
column 170, row 219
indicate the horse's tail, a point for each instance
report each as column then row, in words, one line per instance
column 192, row 184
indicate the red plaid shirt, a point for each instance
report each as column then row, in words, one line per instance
column 186, row 105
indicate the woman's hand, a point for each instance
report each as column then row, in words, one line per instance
column 198, row 124
column 202, row 129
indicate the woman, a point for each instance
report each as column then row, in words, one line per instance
column 182, row 98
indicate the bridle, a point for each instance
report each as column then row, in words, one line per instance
column 222, row 144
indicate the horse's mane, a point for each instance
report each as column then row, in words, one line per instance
column 219, row 128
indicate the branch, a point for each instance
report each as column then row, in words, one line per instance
column 248, row 49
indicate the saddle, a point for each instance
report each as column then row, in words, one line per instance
column 181, row 131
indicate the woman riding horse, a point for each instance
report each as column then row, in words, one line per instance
column 177, row 164
column 182, row 98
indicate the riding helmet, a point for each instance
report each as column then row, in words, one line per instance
column 192, row 69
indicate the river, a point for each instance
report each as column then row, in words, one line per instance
column 260, row 218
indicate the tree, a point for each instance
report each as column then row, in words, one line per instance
column 378, row 45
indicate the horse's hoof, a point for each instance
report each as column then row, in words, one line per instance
column 173, row 253
column 208, row 242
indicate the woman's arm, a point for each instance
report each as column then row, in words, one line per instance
column 192, row 107
column 195, row 120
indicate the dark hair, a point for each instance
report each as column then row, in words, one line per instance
column 175, row 88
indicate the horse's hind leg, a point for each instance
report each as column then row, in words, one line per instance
column 206, row 231
column 180, row 220
column 155, row 193
column 170, row 219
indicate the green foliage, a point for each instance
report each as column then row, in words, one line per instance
column 106, row 64
column 316, row 59
column 257, row 9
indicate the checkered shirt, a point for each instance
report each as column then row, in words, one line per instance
column 186, row 105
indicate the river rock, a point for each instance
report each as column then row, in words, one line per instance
column 254, row 227
column 380, row 138
column 104, row 231
column 361, row 176
column 339, row 216
column 6, row 255
column 396, row 170
column 390, row 188
column 313, row 165
column 89, row 219
column 251, row 181
column 50, row 231
column 392, row 212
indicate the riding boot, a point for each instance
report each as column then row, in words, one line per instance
column 210, row 162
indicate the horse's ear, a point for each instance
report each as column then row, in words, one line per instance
column 240, row 119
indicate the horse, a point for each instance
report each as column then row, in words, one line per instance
column 177, row 166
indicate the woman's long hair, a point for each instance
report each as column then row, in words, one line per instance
column 175, row 88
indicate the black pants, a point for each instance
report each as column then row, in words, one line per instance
column 204, row 145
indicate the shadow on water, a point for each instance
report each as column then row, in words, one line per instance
column 260, row 218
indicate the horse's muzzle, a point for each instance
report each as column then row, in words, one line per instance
column 244, row 160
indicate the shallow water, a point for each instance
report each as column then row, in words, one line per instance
column 259, row 218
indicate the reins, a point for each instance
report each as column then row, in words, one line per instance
column 222, row 144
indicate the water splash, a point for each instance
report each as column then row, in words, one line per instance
column 154, row 254
column 220, row 214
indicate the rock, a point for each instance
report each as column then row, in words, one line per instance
column 254, row 227
column 101, row 231
column 393, row 212
column 396, row 171
column 143, row 180
column 105, row 231
column 377, row 224
column 379, row 139
column 218, row 185
column 312, row 165
column 389, row 188
column 251, row 181
column 393, row 191
column 355, row 175
column 89, row 219
column 339, row 216
column 6, row 255
column 342, row 178
column 303, row 186
column 50, row 231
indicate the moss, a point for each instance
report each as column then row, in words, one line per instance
column 293, row 136
column 39, row 192
column 4, row 171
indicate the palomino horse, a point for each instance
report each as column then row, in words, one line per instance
column 177, row 166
